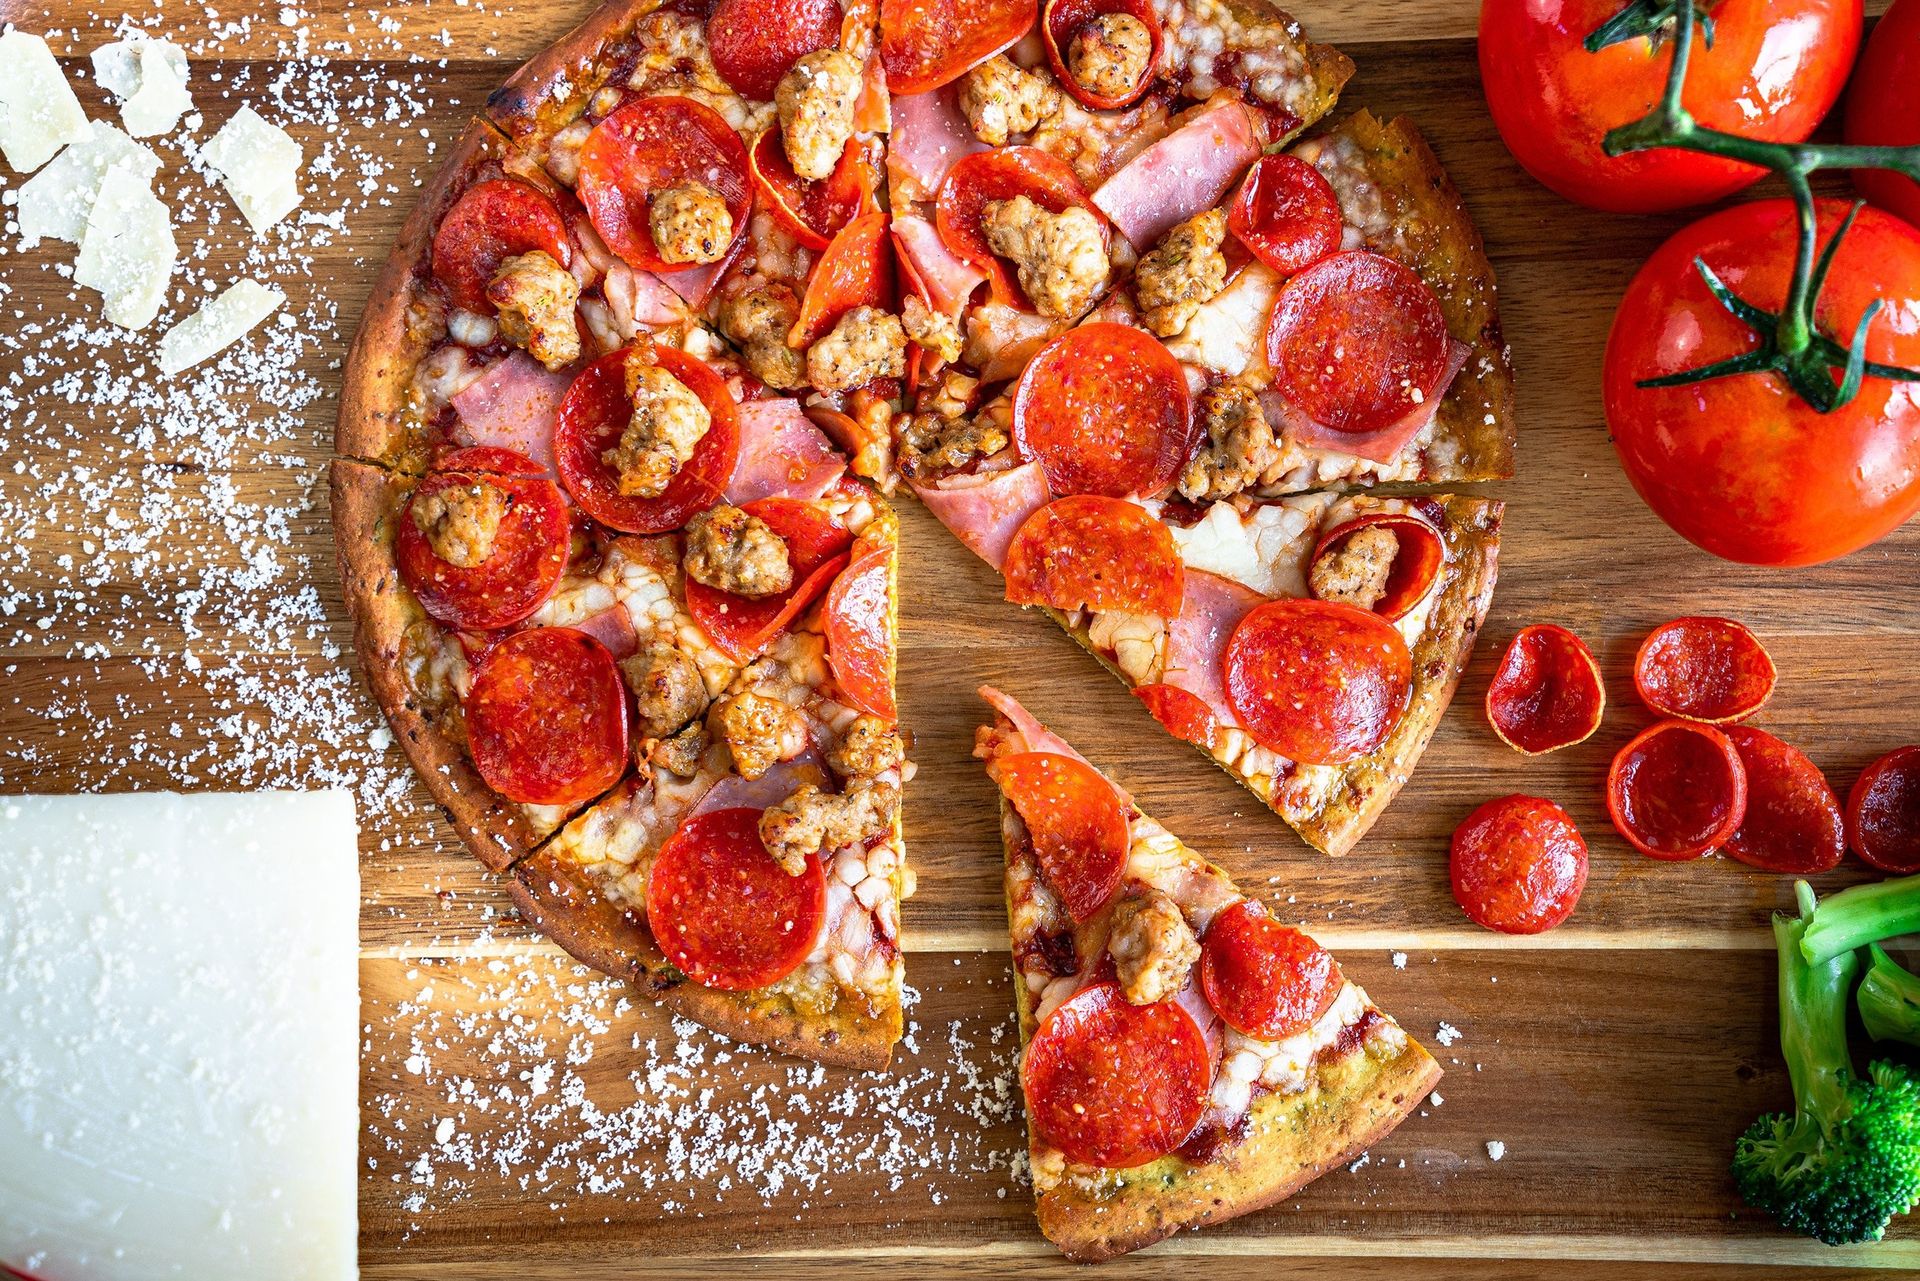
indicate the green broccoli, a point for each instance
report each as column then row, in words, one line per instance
column 1848, row 1158
column 1862, row 915
column 1889, row 999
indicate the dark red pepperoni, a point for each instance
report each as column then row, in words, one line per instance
column 811, row 211
column 1547, row 693
column 1076, row 821
column 1286, row 214
column 1318, row 682
column 1793, row 822
column 529, row 551
column 493, row 221
column 1267, row 980
column 860, row 632
column 1703, row 669
column 855, row 271
column 1518, row 865
column 1883, row 812
column 928, row 43
column 1677, row 790
column 1419, row 555
column 1104, row 410
column 741, row 626
column 546, row 717
column 645, row 147
column 1062, row 20
column 1002, row 174
column 756, row 42
column 1183, row 714
column 1095, row 553
column 722, row 910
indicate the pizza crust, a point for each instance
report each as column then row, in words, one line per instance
column 554, row 86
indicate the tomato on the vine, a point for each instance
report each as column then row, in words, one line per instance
column 1884, row 106
column 1773, row 69
column 1742, row 465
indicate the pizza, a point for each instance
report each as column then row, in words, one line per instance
column 1185, row 1057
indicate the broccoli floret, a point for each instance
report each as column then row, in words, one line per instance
column 1862, row 915
column 1848, row 1158
column 1889, row 999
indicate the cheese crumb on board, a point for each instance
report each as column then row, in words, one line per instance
column 55, row 202
column 259, row 165
column 217, row 325
column 38, row 112
column 150, row 78
column 1495, row 1149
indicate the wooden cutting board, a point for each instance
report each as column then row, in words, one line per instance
column 525, row 1120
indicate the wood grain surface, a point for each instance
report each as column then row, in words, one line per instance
column 1616, row 1058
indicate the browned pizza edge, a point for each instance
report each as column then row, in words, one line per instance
column 552, row 87
column 1328, row 68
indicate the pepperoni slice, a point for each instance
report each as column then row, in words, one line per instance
column 529, row 550
column 1183, row 714
column 1883, row 812
column 722, row 910
column 1677, row 790
column 1095, row 553
column 1518, row 865
column 1062, row 20
column 595, row 412
column 1286, row 214
column 855, row 271
column 491, row 222
column 1103, row 409
column 1265, row 979
column 1113, row 1084
column 1703, row 669
column 1318, row 682
column 812, row 211
column 756, row 42
column 741, row 626
column 1547, row 693
column 928, row 43
column 547, row 717
column 1419, row 554
column 1356, row 340
column 1793, row 822
column 860, row 633
column 646, row 146
column 1002, row 174
column 1076, row 820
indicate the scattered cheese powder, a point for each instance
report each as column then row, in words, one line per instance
column 1495, row 1149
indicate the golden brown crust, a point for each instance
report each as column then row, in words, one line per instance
column 1327, row 67
column 555, row 84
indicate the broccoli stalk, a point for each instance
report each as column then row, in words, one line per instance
column 1889, row 999
column 1847, row 1159
column 1862, row 915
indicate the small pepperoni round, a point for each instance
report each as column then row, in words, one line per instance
column 1183, row 714
column 645, row 147
column 812, row 211
column 1518, row 865
column 1076, row 821
column 1703, row 669
column 1318, row 682
column 546, row 717
column 594, row 414
column 1113, row 1084
column 925, row 44
column 722, row 910
column 1357, row 341
column 493, row 221
column 756, row 42
column 1286, row 214
column 855, row 271
column 1095, row 553
column 1883, row 812
column 1547, row 693
column 529, row 551
column 1419, row 554
column 1104, row 410
column 1793, row 822
column 1677, row 790
column 1267, row 980
column 1001, row 174
column 1062, row 20
column 860, row 633
column 741, row 626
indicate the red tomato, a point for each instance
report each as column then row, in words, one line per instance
column 1775, row 68
column 1884, row 106
column 1741, row 465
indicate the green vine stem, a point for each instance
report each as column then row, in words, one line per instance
column 1791, row 343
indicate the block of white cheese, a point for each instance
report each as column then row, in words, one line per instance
column 127, row 251
column 150, row 78
column 179, row 1033
column 217, row 325
column 258, row 164
column 38, row 112
column 56, row 201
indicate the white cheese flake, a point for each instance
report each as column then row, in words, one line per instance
column 38, row 112
column 217, row 325
column 128, row 250
column 259, row 165
column 56, row 201
column 1495, row 1149
column 150, row 79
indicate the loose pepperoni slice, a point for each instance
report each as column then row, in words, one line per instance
column 722, row 910
column 860, row 633
column 1318, row 682
column 546, row 717
column 595, row 412
column 855, row 271
column 1703, row 669
column 529, row 551
column 1095, row 553
column 1356, row 341
column 1793, row 822
column 645, row 147
column 1183, row 714
column 811, row 211
column 1002, row 174
column 928, row 43
column 1062, row 20
column 741, row 626
column 1267, row 980
column 1419, row 555
column 1076, row 820
column 1518, row 865
column 1103, row 409
column 493, row 221
column 1547, row 693
column 756, row 42
column 1113, row 1084
column 1677, row 790
column 1286, row 214
column 1883, row 812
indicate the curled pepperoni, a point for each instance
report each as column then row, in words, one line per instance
column 546, row 717
column 1286, row 214
column 491, row 222
column 928, row 43
column 1883, row 812
column 722, row 910
column 1703, row 669
column 645, row 147
column 1518, row 865
column 860, row 633
column 1103, row 409
column 741, row 626
column 1419, row 554
column 1113, row 1084
column 1183, row 714
column 756, row 42
column 529, row 550
column 594, row 414
column 1062, row 20
column 1547, row 693
column 1677, row 790
column 1001, row 174
column 1356, row 341
column 1095, row 553
column 1318, row 682
column 1793, row 821
column 1267, row 980
column 812, row 211
column 855, row 271
column 1076, row 821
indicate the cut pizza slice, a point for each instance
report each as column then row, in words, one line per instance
column 1185, row 1057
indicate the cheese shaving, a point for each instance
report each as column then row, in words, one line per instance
column 150, row 78
column 56, row 201
column 259, row 165
column 217, row 325
column 38, row 112
column 128, row 251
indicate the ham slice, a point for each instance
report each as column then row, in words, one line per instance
column 929, row 136
column 948, row 281
column 782, row 454
column 772, row 787
column 695, row 284
column 1038, row 738
column 984, row 511
column 1382, row 445
column 1197, row 637
column 612, row 628
column 512, row 406
column 1002, row 339
column 638, row 298
column 1185, row 173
